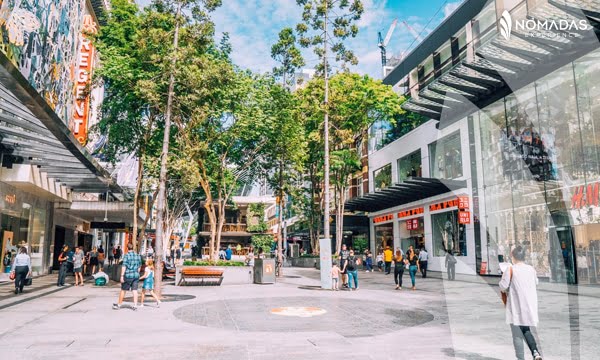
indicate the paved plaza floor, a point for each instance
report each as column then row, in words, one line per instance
column 294, row 320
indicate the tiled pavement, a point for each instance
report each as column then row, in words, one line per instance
column 441, row 320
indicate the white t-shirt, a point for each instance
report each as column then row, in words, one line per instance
column 522, row 304
column 423, row 255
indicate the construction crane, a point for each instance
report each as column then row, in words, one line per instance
column 383, row 42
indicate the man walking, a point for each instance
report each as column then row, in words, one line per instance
column 387, row 259
column 130, row 276
column 423, row 257
column 343, row 258
column 63, row 266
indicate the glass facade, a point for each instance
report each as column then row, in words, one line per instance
column 383, row 177
column 540, row 159
column 448, row 234
column 409, row 166
column 384, row 236
column 446, row 157
column 23, row 222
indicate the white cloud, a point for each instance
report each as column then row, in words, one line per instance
column 450, row 7
column 374, row 13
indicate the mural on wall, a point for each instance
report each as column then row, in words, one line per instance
column 41, row 38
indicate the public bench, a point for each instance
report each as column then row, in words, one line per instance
column 204, row 275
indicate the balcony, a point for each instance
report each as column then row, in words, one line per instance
column 228, row 227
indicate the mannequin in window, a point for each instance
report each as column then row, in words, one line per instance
column 440, row 161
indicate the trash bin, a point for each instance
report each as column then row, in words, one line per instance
column 264, row 271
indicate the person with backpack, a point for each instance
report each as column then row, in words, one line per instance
column 351, row 268
column 519, row 286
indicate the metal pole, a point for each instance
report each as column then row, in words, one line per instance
column 326, row 134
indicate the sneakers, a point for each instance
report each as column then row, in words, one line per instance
column 537, row 356
column 141, row 305
column 116, row 306
column 397, row 287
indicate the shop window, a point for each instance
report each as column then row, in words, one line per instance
column 448, row 234
column 446, row 158
column 384, row 236
column 383, row 177
column 409, row 166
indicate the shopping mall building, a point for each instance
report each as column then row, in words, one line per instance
column 511, row 154
column 52, row 190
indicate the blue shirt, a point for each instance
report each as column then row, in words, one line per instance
column 228, row 254
column 132, row 263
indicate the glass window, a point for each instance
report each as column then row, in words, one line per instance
column 446, row 158
column 448, row 234
column 409, row 166
column 384, row 236
column 37, row 241
column 383, row 177
column 484, row 25
column 560, row 132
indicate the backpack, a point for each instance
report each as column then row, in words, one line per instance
column 351, row 264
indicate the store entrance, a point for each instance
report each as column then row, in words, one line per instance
column 562, row 259
column 384, row 236
column 412, row 233
column 59, row 243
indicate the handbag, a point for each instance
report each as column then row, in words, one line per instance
column 12, row 275
column 28, row 282
column 505, row 294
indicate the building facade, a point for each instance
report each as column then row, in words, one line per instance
column 518, row 78
column 46, row 60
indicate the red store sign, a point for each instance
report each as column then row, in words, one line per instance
column 443, row 205
column 383, row 218
column 410, row 212
column 464, row 217
column 412, row 224
column 585, row 196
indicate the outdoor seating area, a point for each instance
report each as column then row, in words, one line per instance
column 200, row 275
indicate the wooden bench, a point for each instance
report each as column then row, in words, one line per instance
column 206, row 276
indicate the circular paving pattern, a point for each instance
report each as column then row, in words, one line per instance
column 165, row 298
column 348, row 317
column 298, row 311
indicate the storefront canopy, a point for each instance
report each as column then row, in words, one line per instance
column 32, row 133
column 413, row 189
column 502, row 65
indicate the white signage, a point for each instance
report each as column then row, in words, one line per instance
column 325, row 257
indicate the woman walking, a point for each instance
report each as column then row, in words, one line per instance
column 369, row 261
column 22, row 266
column 351, row 268
column 519, row 283
column 94, row 259
column 413, row 267
column 398, row 269
column 78, row 259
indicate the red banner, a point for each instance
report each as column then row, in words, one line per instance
column 464, row 217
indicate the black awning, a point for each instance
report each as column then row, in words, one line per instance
column 413, row 189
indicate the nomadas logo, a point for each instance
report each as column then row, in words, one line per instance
column 541, row 28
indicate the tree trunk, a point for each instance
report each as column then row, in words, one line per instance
column 162, row 184
column 210, row 210
column 136, row 197
column 279, row 228
column 340, row 219
column 220, row 222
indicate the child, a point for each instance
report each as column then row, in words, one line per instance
column 380, row 261
column 335, row 277
column 149, row 282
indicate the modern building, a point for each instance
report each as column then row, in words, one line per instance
column 52, row 191
column 511, row 87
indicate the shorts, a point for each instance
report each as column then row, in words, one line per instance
column 130, row 284
column 77, row 270
column 342, row 264
column 94, row 261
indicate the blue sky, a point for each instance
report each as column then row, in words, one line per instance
column 253, row 26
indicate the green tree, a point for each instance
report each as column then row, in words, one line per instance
column 224, row 140
column 151, row 50
column 287, row 55
column 318, row 17
column 356, row 102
